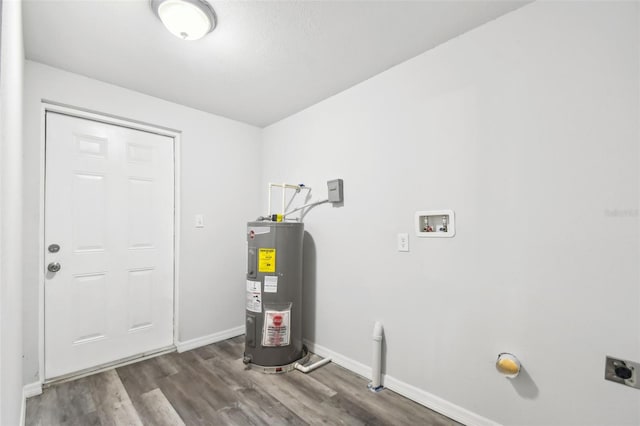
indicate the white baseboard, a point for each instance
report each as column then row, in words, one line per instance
column 341, row 360
column 211, row 338
column 436, row 403
column 411, row 392
column 32, row 389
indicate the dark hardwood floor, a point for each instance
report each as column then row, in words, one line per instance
column 210, row 386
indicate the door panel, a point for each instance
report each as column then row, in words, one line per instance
column 110, row 206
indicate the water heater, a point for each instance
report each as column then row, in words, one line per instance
column 274, row 295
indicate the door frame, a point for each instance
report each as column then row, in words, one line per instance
column 50, row 106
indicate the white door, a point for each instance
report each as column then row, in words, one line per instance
column 110, row 208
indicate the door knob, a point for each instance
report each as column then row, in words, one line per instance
column 53, row 267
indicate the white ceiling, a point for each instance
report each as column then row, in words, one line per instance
column 266, row 59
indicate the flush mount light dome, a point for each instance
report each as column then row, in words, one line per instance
column 186, row 19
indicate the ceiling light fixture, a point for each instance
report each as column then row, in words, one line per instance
column 186, row 19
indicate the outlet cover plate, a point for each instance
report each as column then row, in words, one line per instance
column 403, row 242
column 621, row 365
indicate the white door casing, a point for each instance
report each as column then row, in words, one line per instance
column 109, row 205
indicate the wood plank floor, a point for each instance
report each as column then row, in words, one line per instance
column 210, row 386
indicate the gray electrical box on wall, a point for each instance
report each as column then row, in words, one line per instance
column 334, row 189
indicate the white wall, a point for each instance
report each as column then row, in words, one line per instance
column 220, row 176
column 527, row 128
column 11, row 80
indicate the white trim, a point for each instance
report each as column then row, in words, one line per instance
column 47, row 105
column 211, row 338
column 23, row 410
column 436, row 403
column 109, row 366
column 41, row 243
column 177, row 149
column 108, row 118
column 411, row 392
column 341, row 360
column 32, row 389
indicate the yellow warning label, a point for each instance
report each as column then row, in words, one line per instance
column 267, row 260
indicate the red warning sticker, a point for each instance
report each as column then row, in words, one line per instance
column 276, row 328
column 277, row 320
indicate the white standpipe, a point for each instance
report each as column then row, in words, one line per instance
column 309, row 368
column 376, row 366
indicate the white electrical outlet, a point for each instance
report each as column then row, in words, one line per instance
column 199, row 221
column 403, row 242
